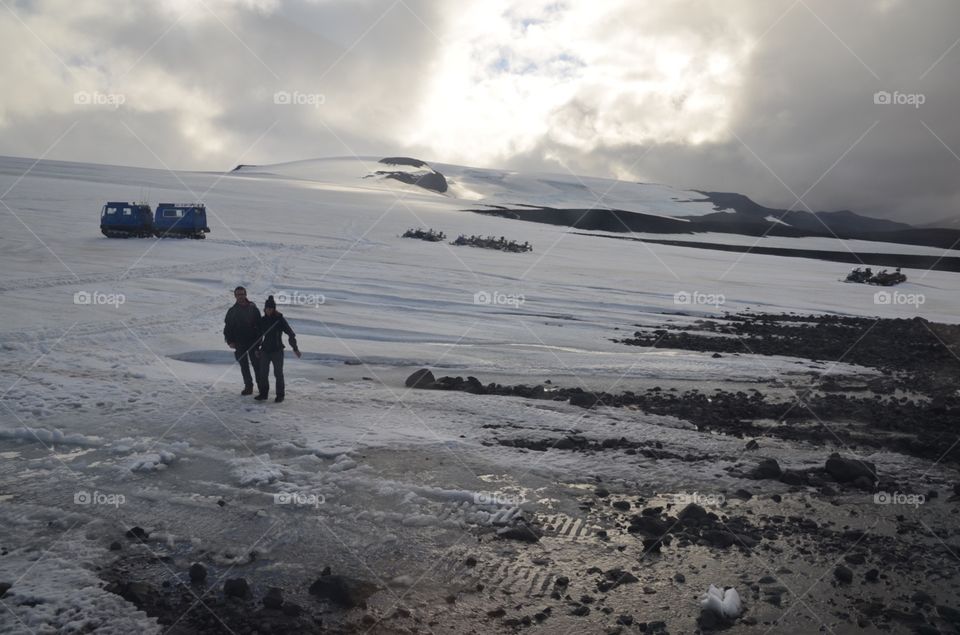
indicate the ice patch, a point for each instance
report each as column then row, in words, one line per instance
column 50, row 436
column 343, row 463
column 151, row 462
column 256, row 470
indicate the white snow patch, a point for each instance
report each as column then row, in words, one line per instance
column 50, row 436
column 151, row 462
column 724, row 604
column 256, row 470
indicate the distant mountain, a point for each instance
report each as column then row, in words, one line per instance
column 840, row 223
column 951, row 222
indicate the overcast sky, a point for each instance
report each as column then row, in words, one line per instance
column 772, row 98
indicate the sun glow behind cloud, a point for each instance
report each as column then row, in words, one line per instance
column 517, row 72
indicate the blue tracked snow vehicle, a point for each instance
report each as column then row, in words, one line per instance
column 126, row 220
column 181, row 220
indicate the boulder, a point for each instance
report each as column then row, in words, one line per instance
column 342, row 591
column 767, row 468
column 198, row 573
column 274, row 598
column 843, row 574
column 422, row 378
column 845, row 470
column 692, row 514
column 236, row 588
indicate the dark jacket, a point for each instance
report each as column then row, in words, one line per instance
column 242, row 324
column 272, row 328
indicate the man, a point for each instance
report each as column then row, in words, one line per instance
column 241, row 331
column 272, row 327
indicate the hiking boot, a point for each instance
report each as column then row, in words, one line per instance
column 248, row 390
column 278, row 399
column 260, row 397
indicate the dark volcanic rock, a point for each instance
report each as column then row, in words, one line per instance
column 139, row 593
column 138, row 533
column 198, row 573
column 614, row 578
column 767, row 468
column 719, row 538
column 844, row 470
column 422, row 378
column 342, row 591
column 236, row 588
column 843, row 574
column 522, row 531
column 693, row 514
column 274, row 598
column 584, row 399
column 431, row 179
column 649, row 525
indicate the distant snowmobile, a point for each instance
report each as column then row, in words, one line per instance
column 858, row 275
column 883, row 279
column 887, row 279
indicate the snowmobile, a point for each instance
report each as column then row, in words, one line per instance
column 181, row 220
column 126, row 220
column 858, row 275
column 887, row 279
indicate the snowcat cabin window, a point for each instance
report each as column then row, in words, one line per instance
column 109, row 211
column 127, row 211
column 173, row 213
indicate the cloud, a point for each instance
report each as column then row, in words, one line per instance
column 796, row 113
column 199, row 81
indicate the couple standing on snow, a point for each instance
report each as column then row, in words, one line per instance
column 247, row 333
